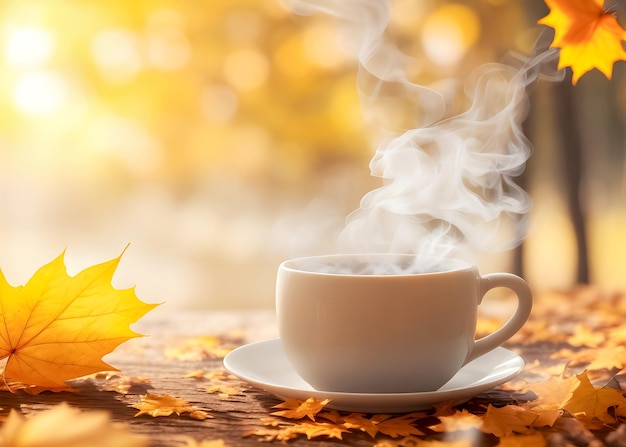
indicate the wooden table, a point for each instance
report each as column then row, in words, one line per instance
column 166, row 358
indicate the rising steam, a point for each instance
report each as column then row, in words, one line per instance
column 449, row 186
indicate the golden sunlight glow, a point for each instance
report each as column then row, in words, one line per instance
column 246, row 69
column 219, row 103
column 117, row 52
column 128, row 142
column 449, row 31
column 40, row 93
column 322, row 47
column 29, row 46
column 168, row 47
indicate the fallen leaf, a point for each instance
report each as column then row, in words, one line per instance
column 358, row 421
column 157, row 405
column 285, row 432
column 57, row 327
column 79, row 429
column 224, row 391
column 396, row 426
column 297, row 409
column 608, row 357
column 504, row 421
column 552, row 396
column 584, row 336
column 460, row 420
column 588, row 36
column 316, row 429
column 594, row 402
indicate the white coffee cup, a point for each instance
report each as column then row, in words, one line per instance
column 346, row 329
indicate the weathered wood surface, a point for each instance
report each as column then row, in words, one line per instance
column 144, row 357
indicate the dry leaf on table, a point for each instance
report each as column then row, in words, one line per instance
column 190, row 442
column 552, row 396
column 58, row 327
column 297, row 409
column 594, row 402
column 157, row 405
column 507, row 420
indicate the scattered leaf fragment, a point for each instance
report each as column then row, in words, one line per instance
column 458, row 421
column 507, row 420
column 588, row 36
column 56, row 327
column 224, row 391
column 80, row 429
column 552, row 396
column 594, row 402
column 119, row 383
column 157, row 405
column 215, row 375
column 278, row 431
column 397, row 426
column 297, row 409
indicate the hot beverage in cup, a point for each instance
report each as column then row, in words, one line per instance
column 386, row 323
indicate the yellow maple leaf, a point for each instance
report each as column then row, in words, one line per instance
column 588, row 36
column 157, row 405
column 58, row 327
column 65, row 426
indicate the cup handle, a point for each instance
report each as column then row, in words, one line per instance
column 517, row 320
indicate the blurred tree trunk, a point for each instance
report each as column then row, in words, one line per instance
column 571, row 149
column 522, row 181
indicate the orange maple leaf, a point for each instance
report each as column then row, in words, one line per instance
column 588, row 36
column 57, row 327
column 396, row 426
column 594, row 402
column 552, row 396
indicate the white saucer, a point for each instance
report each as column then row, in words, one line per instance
column 264, row 365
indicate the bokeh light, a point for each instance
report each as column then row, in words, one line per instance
column 448, row 32
column 218, row 138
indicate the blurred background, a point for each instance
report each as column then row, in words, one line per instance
column 218, row 138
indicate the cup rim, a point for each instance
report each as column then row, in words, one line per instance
column 442, row 265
